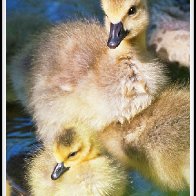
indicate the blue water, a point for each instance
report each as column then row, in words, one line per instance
column 20, row 137
column 55, row 10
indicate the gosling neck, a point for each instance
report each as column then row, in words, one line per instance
column 136, row 45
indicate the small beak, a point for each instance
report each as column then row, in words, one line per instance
column 117, row 34
column 58, row 171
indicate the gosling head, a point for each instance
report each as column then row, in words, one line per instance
column 124, row 20
column 71, row 149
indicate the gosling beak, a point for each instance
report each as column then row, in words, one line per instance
column 117, row 34
column 58, row 171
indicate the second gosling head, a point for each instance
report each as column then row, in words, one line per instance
column 125, row 19
column 70, row 149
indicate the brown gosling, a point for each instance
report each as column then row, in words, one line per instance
column 78, row 172
column 157, row 141
column 70, row 76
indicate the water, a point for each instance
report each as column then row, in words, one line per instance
column 55, row 10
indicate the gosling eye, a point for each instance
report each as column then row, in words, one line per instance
column 72, row 154
column 132, row 10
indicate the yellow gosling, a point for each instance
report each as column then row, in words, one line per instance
column 75, row 171
column 70, row 76
column 157, row 141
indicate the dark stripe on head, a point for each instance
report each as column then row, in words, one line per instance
column 67, row 137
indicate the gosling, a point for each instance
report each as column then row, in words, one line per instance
column 157, row 141
column 70, row 76
column 77, row 172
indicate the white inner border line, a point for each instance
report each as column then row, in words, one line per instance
column 191, row 97
column 4, row 97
